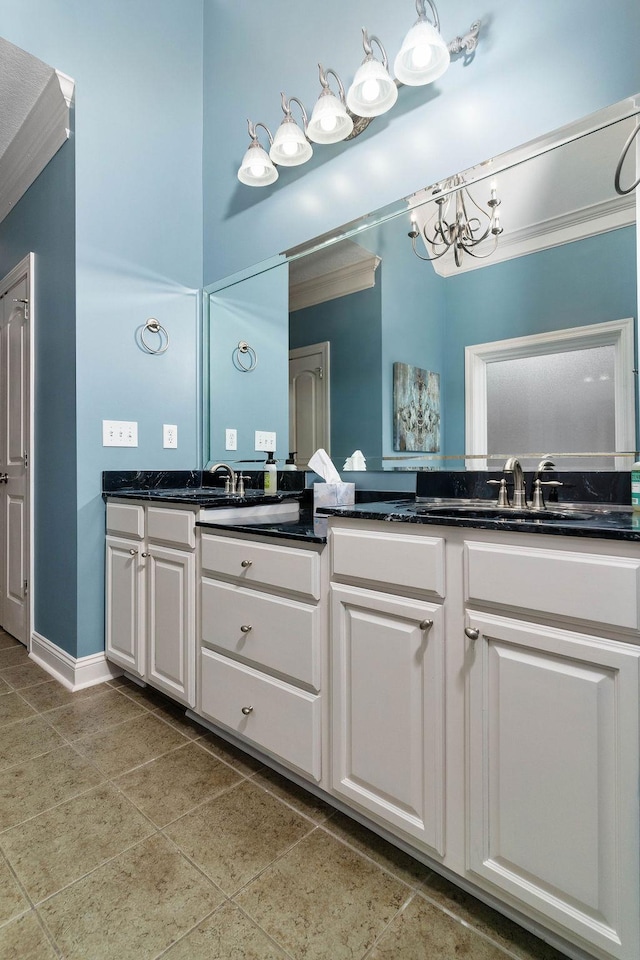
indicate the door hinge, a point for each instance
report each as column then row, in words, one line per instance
column 26, row 306
column 26, row 459
column 320, row 372
column 26, row 587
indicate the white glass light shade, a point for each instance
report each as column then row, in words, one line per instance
column 329, row 121
column 372, row 92
column 423, row 57
column 256, row 169
column 290, row 147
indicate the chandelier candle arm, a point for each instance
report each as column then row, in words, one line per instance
column 464, row 234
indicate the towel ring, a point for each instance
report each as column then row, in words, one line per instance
column 623, row 191
column 154, row 326
column 239, row 352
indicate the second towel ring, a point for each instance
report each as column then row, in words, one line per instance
column 243, row 349
column 154, row 326
column 623, row 191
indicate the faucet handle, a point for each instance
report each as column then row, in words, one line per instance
column 503, row 497
column 537, row 501
column 240, row 484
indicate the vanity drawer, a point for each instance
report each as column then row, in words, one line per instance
column 389, row 560
column 172, row 526
column 283, row 720
column 578, row 586
column 263, row 564
column 126, row 520
column 284, row 634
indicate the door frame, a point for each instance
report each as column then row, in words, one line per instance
column 324, row 349
column 26, row 268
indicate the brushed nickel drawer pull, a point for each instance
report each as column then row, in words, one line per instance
column 134, row 553
column 246, row 563
column 246, row 627
column 426, row 624
column 146, row 554
column 472, row 633
column 247, row 711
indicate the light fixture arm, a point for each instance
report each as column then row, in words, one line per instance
column 422, row 14
column 468, row 42
column 286, row 108
column 368, row 49
column 253, row 131
column 325, row 83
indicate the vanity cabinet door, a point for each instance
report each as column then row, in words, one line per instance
column 388, row 711
column 171, row 625
column 553, row 777
column 125, row 606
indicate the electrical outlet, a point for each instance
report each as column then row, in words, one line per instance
column 119, row 433
column 265, row 440
column 169, row 436
column 231, row 439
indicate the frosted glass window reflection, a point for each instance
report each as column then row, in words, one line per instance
column 554, row 402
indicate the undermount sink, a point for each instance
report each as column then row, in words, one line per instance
column 281, row 512
column 493, row 512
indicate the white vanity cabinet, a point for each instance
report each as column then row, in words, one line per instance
column 263, row 644
column 553, row 689
column 388, row 684
column 150, row 595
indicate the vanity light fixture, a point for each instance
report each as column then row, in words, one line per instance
column 372, row 92
column 290, row 146
column 256, row 169
column 329, row 121
column 454, row 225
column 423, row 57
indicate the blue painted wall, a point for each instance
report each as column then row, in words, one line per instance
column 138, row 69
column 534, row 70
column 353, row 326
column 43, row 222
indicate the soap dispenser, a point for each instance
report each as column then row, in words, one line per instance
column 290, row 462
column 270, row 475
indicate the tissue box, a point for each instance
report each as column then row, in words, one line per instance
column 330, row 495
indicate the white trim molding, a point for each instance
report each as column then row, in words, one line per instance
column 616, row 333
column 74, row 673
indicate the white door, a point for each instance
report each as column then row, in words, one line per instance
column 15, row 439
column 126, row 604
column 171, row 622
column 388, row 710
column 309, row 420
column 553, row 777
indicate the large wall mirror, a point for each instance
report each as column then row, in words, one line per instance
column 379, row 341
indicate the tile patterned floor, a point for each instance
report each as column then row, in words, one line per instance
column 128, row 831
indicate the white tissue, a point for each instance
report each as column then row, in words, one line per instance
column 322, row 464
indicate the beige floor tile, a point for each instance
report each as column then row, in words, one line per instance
column 130, row 744
column 13, row 708
column 31, row 787
column 7, row 641
column 299, row 798
column 50, row 695
column 131, row 908
column 92, row 714
column 500, row 929
column 12, row 900
column 227, row 935
column 394, row 860
column 241, row 761
column 63, row 844
column 25, row 675
column 25, row 939
column 238, row 834
column 422, row 931
column 175, row 783
column 4, row 687
column 25, row 739
column 323, row 901
column 13, row 656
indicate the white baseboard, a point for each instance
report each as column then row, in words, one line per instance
column 73, row 673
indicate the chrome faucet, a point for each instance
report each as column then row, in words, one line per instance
column 537, row 496
column 230, row 479
column 512, row 465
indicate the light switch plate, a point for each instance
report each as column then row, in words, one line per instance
column 265, row 440
column 119, row 433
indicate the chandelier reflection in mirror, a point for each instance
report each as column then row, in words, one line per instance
column 458, row 224
column 423, row 57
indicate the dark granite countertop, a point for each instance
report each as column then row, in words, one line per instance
column 608, row 522
column 203, row 496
